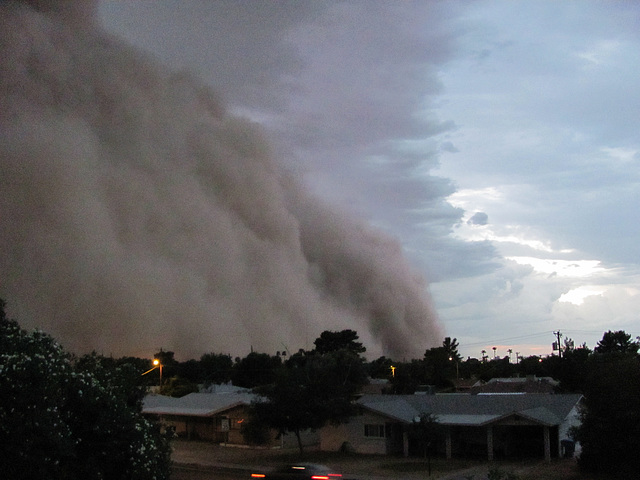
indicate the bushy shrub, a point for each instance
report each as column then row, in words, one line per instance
column 72, row 418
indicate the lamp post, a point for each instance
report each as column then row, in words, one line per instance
column 451, row 359
column 157, row 363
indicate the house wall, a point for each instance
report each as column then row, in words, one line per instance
column 333, row 438
column 572, row 420
column 195, row 428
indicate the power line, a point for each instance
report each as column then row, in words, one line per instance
column 520, row 337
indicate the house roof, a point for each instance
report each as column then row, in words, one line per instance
column 473, row 410
column 195, row 404
column 529, row 384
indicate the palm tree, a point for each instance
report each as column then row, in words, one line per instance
column 451, row 347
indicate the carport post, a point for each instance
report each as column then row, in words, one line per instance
column 490, row 442
column 405, row 443
column 448, row 443
column 547, row 445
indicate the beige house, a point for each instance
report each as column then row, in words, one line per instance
column 202, row 416
column 214, row 417
column 511, row 425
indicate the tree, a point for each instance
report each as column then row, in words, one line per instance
column 573, row 370
column 424, row 432
column 255, row 369
column 178, row 387
column 451, row 347
column 619, row 341
column 309, row 391
column 216, row 367
column 407, row 377
column 63, row 417
column 334, row 341
column 381, row 368
column 610, row 427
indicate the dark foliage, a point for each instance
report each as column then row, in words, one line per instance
column 311, row 390
column 610, row 429
column 342, row 340
column 72, row 418
column 255, row 369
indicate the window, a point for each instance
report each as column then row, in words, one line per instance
column 374, row 431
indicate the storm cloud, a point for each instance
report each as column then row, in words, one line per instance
column 137, row 212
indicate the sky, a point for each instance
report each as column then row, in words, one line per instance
column 497, row 141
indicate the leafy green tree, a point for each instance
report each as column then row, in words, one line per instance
column 255, row 369
column 610, row 427
column 619, row 341
column 438, row 368
column 381, row 368
column 72, row 418
column 424, row 434
column 169, row 363
column 573, row 370
column 216, row 368
column 408, row 377
column 311, row 390
column 191, row 370
column 178, row 387
column 451, row 347
column 333, row 341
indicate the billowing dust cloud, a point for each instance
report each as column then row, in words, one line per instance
column 136, row 213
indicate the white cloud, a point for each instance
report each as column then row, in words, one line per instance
column 621, row 154
column 601, row 52
column 578, row 294
column 562, row 268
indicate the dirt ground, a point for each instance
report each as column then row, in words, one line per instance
column 376, row 467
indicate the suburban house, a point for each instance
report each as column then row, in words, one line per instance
column 216, row 416
column 202, row 416
column 528, row 384
column 504, row 425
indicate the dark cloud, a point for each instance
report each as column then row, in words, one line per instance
column 137, row 213
column 478, row 218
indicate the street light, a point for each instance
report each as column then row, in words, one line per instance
column 157, row 364
column 451, row 359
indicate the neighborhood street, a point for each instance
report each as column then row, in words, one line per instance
column 195, row 460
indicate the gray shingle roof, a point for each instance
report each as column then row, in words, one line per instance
column 471, row 410
column 195, row 404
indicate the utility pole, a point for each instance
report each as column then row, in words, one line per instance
column 558, row 335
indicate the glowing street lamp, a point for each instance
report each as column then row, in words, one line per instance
column 451, row 359
column 157, row 364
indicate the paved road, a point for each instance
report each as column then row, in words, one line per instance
column 195, row 473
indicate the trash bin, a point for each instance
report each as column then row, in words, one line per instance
column 568, row 448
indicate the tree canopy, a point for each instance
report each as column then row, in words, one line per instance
column 610, row 427
column 311, row 389
column 619, row 341
column 333, row 341
column 63, row 417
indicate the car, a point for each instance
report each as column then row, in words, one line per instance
column 299, row 471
